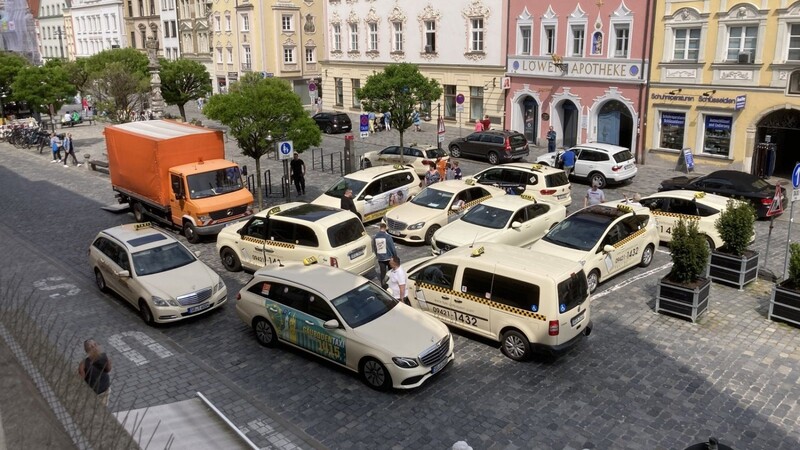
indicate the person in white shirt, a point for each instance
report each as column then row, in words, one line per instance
column 594, row 196
column 397, row 281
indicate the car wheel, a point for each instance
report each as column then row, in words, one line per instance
column 493, row 158
column 100, row 281
column 366, row 164
column 375, row 374
column 647, row 256
column 599, row 178
column 138, row 212
column 230, row 260
column 328, row 129
column 265, row 334
column 190, row 232
column 429, row 233
column 145, row 313
column 515, row 345
column 593, row 279
column 455, row 151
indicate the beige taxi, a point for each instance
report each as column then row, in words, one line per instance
column 294, row 232
column 347, row 320
column 375, row 190
column 541, row 181
column 526, row 301
column 155, row 273
column 607, row 239
column 517, row 220
column 420, row 158
column 434, row 207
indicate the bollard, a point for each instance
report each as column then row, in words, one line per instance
column 86, row 158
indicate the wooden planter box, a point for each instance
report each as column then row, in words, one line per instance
column 784, row 305
column 734, row 270
column 679, row 300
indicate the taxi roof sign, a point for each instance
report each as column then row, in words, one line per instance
column 625, row 208
column 528, row 197
column 274, row 210
column 310, row 260
column 142, row 225
column 470, row 181
column 536, row 167
column 477, row 252
column 699, row 194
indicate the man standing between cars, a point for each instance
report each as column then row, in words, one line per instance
column 298, row 171
column 383, row 246
column 397, row 280
column 551, row 140
column 568, row 161
column 594, row 196
column 348, row 204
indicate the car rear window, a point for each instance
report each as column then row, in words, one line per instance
column 346, row 232
column 517, row 140
column 556, row 179
column 434, row 153
column 623, row 156
column 572, row 291
column 341, row 118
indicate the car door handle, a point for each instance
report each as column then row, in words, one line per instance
column 273, row 309
column 457, row 300
column 308, row 322
column 269, row 250
column 444, row 297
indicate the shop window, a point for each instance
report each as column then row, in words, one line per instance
column 339, row 91
column 449, row 101
column 717, row 136
column 476, row 102
column 356, row 84
column 672, row 128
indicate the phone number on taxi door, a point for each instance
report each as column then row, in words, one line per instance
column 629, row 254
column 457, row 316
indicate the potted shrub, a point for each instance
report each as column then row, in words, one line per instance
column 785, row 302
column 734, row 263
column 684, row 291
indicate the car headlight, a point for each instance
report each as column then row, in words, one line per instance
column 405, row 363
column 163, row 303
column 416, row 226
column 220, row 286
column 204, row 218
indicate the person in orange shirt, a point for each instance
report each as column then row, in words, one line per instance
column 441, row 167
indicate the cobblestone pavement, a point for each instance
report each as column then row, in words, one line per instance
column 641, row 380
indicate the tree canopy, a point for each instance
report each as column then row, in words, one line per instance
column 77, row 73
column 10, row 65
column 262, row 111
column 118, row 81
column 183, row 80
column 399, row 89
column 43, row 86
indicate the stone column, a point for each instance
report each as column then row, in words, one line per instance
column 156, row 100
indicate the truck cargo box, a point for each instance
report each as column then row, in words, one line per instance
column 140, row 154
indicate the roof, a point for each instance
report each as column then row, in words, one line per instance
column 139, row 236
column 373, row 172
column 511, row 202
column 742, row 180
column 452, row 186
column 610, row 148
column 162, row 129
column 326, row 280
column 713, row 200
column 541, row 168
column 605, row 213
column 520, row 258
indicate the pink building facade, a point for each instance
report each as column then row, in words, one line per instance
column 580, row 67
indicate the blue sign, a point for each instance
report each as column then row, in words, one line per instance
column 687, row 154
column 719, row 123
column 796, row 176
column 673, row 119
column 363, row 123
column 285, row 149
column 739, row 103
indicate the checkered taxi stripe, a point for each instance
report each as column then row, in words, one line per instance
column 491, row 304
column 631, row 237
column 263, row 242
column 675, row 215
column 470, row 204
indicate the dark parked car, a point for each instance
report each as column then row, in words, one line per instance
column 730, row 183
column 333, row 122
column 496, row 146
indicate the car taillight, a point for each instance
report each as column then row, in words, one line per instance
column 766, row 201
column 547, row 191
column 615, row 168
column 553, row 329
column 508, row 145
column 238, row 296
column 334, row 262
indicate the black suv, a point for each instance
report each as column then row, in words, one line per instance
column 332, row 122
column 496, row 146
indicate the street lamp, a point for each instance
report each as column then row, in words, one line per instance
column 3, row 94
column 60, row 33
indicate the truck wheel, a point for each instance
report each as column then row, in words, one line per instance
column 190, row 232
column 138, row 212
column 230, row 260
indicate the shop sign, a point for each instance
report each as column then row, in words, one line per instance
column 741, row 100
column 673, row 119
column 701, row 99
column 718, row 123
column 544, row 66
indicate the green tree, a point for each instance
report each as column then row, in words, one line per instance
column 183, row 80
column 689, row 252
column 118, row 81
column 398, row 89
column 77, row 73
column 259, row 112
column 10, row 65
column 44, row 88
column 735, row 225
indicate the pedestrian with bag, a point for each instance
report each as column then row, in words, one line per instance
column 397, row 281
column 384, row 249
column 94, row 369
column 69, row 150
column 55, row 146
column 551, row 140
column 298, row 173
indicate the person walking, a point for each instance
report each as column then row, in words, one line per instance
column 298, row 173
column 371, row 116
column 568, row 161
column 478, row 125
column 397, row 281
column 387, row 120
column 384, row 249
column 416, row 120
column 594, row 196
column 449, row 173
column 69, row 150
column 432, row 175
column 487, row 122
column 441, row 167
column 55, row 145
column 94, row 369
column 551, row 140
column 456, row 171
column 348, row 204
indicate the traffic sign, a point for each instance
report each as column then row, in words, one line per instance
column 460, row 108
column 796, row 176
column 795, row 195
column 460, row 98
column 364, row 134
column 363, row 124
column 441, row 126
column 312, row 87
column 285, row 149
column 777, row 204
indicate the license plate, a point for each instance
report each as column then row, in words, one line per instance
column 393, row 232
column 356, row 254
column 197, row 308
column 439, row 366
column 561, row 197
column 578, row 319
column 629, row 166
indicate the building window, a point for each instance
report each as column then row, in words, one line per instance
column 217, row 26
column 227, row 23
column 475, row 102
column 287, row 24
column 356, row 84
column 476, row 35
column 288, row 55
column 550, row 40
column 337, row 37
column 247, row 59
column 742, row 40
column 794, row 42
column 578, row 39
column 353, row 37
column 373, row 37
column 397, row 42
column 174, row 26
column 687, row 44
column 166, row 28
column 133, row 39
column 717, row 139
column 449, row 101
column 311, row 55
column 794, row 83
column 621, row 40
column 219, row 55
column 245, row 22
column 144, row 38
column 339, row 91
column 152, row 8
column 524, row 43
column 230, row 56
column 672, row 126
column 430, row 36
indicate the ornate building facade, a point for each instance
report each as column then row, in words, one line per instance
column 194, row 31
column 50, row 30
column 97, row 26
column 142, row 21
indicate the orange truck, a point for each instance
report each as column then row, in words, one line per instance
column 176, row 174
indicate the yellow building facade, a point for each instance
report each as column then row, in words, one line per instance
column 725, row 83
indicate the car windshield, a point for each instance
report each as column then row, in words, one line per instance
column 337, row 190
column 433, row 198
column 623, row 156
column 434, row 153
column 216, row 182
column 580, row 231
column 161, row 259
column 487, row 216
column 363, row 304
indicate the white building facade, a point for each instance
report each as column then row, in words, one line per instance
column 50, row 30
column 98, row 25
column 169, row 24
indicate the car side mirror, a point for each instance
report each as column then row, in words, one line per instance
column 516, row 225
column 332, row 324
column 368, row 198
column 608, row 248
column 123, row 273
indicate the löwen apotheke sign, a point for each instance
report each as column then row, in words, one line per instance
column 579, row 68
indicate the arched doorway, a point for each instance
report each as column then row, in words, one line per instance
column 569, row 123
column 781, row 128
column 615, row 124
column 530, row 110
